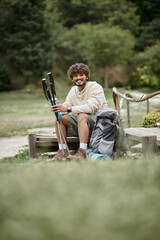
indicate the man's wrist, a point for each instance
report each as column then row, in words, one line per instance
column 69, row 109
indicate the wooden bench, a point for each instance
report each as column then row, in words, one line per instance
column 149, row 137
column 40, row 143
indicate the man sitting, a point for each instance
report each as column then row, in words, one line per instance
column 81, row 105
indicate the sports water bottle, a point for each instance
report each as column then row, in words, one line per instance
column 59, row 113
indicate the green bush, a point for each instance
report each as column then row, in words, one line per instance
column 147, row 68
column 146, row 77
column 151, row 118
column 5, row 81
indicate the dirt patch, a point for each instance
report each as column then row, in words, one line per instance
column 9, row 147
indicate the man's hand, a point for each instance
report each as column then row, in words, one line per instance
column 58, row 108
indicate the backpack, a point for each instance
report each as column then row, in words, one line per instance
column 108, row 136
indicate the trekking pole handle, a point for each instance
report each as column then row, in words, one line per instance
column 52, row 85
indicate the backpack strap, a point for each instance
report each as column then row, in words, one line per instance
column 100, row 126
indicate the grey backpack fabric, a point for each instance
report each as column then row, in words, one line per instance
column 105, row 132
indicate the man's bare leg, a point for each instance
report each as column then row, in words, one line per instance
column 61, row 153
column 83, row 132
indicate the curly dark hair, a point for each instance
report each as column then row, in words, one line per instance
column 78, row 68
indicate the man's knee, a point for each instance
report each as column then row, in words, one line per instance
column 82, row 118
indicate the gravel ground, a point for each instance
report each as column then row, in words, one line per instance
column 9, row 147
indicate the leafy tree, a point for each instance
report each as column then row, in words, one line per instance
column 147, row 10
column 25, row 44
column 147, row 68
column 99, row 45
column 66, row 14
column 150, row 34
column 114, row 12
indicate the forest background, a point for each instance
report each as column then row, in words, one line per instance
column 119, row 40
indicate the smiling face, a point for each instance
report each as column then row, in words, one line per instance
column 79, row 73
column 80, row 80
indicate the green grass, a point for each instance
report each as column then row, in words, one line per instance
column 70, row 200
column 22, row 110
column 86, row 200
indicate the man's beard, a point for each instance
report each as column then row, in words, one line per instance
column 80, row 84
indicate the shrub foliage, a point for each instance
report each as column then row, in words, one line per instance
column 151, row 118
column 147, row 68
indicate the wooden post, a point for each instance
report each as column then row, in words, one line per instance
column 128, row 114
column 149, row 145
column 147, row 105
column 117, row 104
column 32, row 145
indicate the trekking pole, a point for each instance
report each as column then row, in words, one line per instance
column 48, row 96
column 59, row 114
column 53, row 101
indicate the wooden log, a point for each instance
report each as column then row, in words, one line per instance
column 52, row 143
column 147, row 105
column 129, row 98
column 116, row 102
column 32, row 145
column 128, row 115
column 116, row 92
column 48, row 143
column 149, row 145
column 137, row 133
column 149, row 137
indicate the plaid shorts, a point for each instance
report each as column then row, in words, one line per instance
column 72, row 130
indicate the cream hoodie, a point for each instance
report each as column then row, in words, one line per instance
column 89, row 100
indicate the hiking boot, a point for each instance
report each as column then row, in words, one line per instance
column 80, row 154
column 59, row 156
